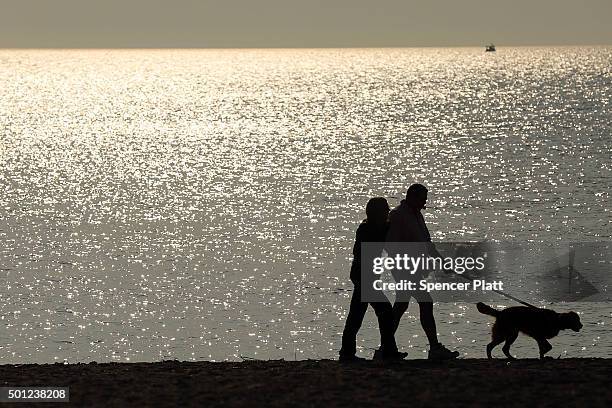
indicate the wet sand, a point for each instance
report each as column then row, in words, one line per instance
column 470, row 382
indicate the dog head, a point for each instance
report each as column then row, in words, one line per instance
column 570, row 320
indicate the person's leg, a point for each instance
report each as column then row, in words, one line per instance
column 354, row 319
column 398, row 310
column 436, row 350
column 384, row 313
column 402, row 301
column 428, row 322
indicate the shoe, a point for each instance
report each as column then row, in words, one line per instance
column 440, row 353
column 379, row 355
column 350, row 359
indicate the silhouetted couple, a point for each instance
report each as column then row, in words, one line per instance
column 405, row 223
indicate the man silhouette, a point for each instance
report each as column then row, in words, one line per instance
column 406, row 224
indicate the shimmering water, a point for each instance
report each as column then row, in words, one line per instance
column 161, row 204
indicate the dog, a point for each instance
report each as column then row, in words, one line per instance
column 539, row 324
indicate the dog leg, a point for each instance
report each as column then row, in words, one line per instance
column 544, row 347
column 509, row 340
column 496, row 339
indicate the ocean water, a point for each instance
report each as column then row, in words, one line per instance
column 201, row 204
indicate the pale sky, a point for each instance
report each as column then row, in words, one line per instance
column 302, row 23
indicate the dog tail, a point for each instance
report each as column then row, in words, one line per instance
column 488, row 310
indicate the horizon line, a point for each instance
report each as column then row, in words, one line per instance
column 497, row 45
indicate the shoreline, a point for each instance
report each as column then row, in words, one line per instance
column 277, row 383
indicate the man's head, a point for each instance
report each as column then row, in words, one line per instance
column 416, row 196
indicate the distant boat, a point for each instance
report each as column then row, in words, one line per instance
column 490, row 48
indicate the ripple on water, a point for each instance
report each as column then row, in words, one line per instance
column 201, row 204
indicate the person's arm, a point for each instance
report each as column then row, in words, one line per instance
column 431, row 247
column 356, row 265
column 358, row 240
column 425, row 236
column 396, row 231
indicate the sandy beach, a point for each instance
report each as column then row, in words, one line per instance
column 470, row 382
